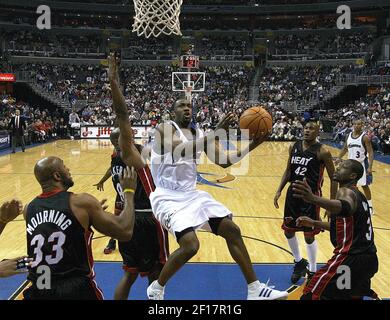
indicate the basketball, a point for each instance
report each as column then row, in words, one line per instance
column 257, row 120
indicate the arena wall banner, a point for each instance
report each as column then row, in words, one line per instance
column 7, row 77
column 4, row 141
column 102, row 132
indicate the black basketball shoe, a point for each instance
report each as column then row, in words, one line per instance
column 110, row 246
column 300, row 270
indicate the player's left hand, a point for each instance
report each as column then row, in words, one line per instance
column 302, row 190
column 305, row 221
column 9, row 210
column 113, row 74
column 99, row 186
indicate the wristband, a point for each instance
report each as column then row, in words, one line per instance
column 128, row 190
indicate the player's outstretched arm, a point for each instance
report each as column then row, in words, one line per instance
column 345, row 204
column 119, row 227
column 213, row 149
column 168, row 142
column 130, row 155
column 305, row 221
column 100, row 184
column 370, row 151
column 326, row 157
column 343, row 151
column 285, row 178
column 9, row 210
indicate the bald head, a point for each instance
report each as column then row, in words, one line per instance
column 51, row 171
column 114, row 137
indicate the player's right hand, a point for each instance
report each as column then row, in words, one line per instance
column 226, row 121
column 113, row 74
column 99, row 186
column 304, row 221
column 276, row 198
column 128, row 180
column 14, row 266
column 9, row 210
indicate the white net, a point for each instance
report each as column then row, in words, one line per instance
column 153, row 17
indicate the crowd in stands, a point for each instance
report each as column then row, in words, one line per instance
column 294, row 44
column 325, row 46
column 42, row 125
column 149, row 98
column 374, row 110
column 298, row 84
column 224, row 48
column 148, row 90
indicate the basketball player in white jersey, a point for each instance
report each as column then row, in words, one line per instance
column 358, row 145
column 182, row 209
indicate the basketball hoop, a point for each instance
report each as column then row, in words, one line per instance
column 153, row 17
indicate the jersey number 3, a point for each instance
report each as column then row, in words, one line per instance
column 57, row 252
column 357, row 154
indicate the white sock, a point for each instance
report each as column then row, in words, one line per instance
column 253, row 285
column 312, row 256
column 294, row 246
column 157, row 286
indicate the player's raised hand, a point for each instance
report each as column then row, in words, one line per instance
column 9, row 210
column 225, row 121
column 113, row 74
column 128, row 179
column 304, row 221
column 276, row 198
column 99, row 186
column 302, row 190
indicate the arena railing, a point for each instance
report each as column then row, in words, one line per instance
column 348, row 79
column 216, row 9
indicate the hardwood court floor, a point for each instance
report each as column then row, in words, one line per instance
column 249, row 196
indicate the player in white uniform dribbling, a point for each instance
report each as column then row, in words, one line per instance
column 359, row 148
column 182, row 209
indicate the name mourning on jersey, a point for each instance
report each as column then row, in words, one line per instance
column 48, row 216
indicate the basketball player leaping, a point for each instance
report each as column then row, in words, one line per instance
column 358, row 145
column 182, row 209
column 307, row 159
